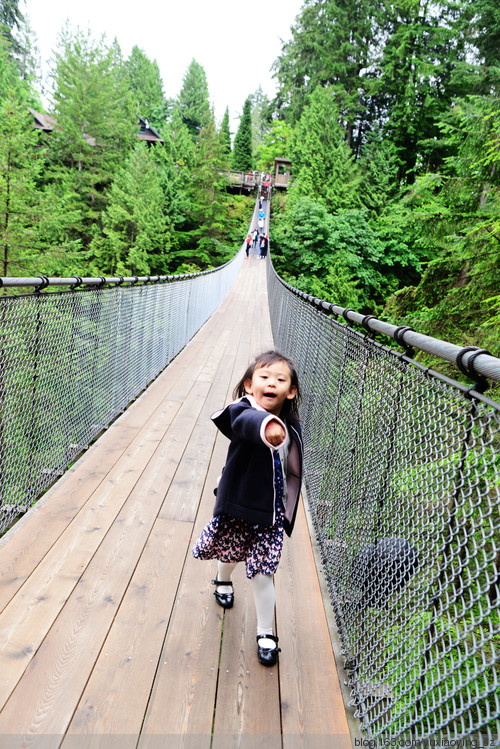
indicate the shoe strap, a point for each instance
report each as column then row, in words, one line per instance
column 222, row 582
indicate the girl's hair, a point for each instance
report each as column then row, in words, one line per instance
column 290, row 407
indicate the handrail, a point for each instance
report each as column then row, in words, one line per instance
column 471, row 360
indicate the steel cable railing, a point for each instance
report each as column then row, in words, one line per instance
column 403, row 482
column 71, row 361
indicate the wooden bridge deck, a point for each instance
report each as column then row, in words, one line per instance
column 110, row 635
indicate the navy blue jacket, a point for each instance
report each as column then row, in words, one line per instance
column 246, row 488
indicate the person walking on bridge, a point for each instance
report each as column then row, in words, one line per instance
column 258, row 491
column 264, row 244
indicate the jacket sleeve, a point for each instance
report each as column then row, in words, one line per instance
column 240, row 421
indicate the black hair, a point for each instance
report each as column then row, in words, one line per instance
column 290, row 408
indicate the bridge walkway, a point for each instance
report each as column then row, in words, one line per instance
column 110, row 634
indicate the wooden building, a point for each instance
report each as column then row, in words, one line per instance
column 282, row 168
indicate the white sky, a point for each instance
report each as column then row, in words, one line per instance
column 236, row 41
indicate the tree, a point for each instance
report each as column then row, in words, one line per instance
column 96, row 124
column 20, row 198
column 242, row 159
column 261, row 117
column 275, row 144
column 134, row 237
column 332, row 44
column 193, row 99
column 10, row 19
column 209, row 201
column 417, row 79
column 322, row 161
column 147, row 87
column 225, row 133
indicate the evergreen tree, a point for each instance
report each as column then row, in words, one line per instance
column 242, row 159
column 193, row 99
column 134, row 238
column 225, row 133
column 147, row 87
column 20, row 199
column 332, row 44
column 10, row 19
column 417, row 79
column 261, row 118
column 275, row 144
column 322, row 161
column 209, row 200
column 96, row 124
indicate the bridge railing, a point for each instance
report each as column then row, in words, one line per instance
column 403, row 482
column 74, row 353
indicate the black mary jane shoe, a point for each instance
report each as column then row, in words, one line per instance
column 267, row 656
column 225, row 600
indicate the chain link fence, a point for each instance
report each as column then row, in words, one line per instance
column 403, row 481
column 72, row 360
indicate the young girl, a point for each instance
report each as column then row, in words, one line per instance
column 258, row 492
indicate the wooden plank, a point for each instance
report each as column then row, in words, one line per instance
column 26, row 620
column 313, row 712
column 61, row 667
column 248, row 700
column 183, row 695
column 116, row 696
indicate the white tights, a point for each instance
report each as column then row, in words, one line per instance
column 264, row 597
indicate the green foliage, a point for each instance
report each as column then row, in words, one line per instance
column 322, row 161
column 275, row 144
column 134, row 238
column 225, row 132
column 20, row 168
column 96, row 125
column 457, row 214
column 261, row 118
column 242, row 158
column 193, row 99
column 147, row 87
column 335, row 256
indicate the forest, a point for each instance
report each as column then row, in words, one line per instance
column 388, row 109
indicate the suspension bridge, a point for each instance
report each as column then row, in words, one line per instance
column 110, row 634
column 109, row 627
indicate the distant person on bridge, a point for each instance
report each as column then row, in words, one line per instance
column 264, row 244
column 248, row 241
column 258, row 491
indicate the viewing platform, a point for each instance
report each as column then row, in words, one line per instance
column 110, row 633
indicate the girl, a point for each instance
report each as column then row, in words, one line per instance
column 258, row 492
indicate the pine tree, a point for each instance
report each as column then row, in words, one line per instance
column 147, row 87
column 10, row 19
column 225, row 133
column 21, row 210
column 209, row 201
column 333, row 44
column 242, row 159
column 193, row 99
column 322, row 161
column 261, row 119
column 96, row 124
column 134, row 239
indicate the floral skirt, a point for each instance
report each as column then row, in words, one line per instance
column 231, row 539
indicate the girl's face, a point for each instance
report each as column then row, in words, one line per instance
column 271, row 385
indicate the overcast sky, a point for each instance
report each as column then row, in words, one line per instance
column 236, row 41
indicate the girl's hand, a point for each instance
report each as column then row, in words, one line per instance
column 275, row 434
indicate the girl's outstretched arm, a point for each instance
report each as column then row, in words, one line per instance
column 275, row 434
